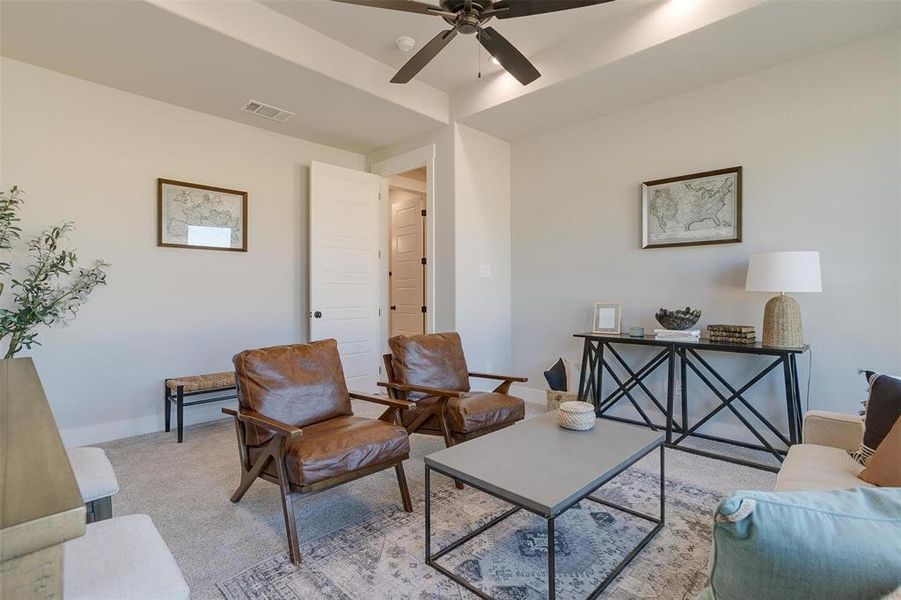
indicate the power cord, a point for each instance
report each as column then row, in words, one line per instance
column 809, row 372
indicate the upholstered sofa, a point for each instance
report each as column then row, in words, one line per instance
column 823, row 532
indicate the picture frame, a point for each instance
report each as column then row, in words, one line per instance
column 607, row 317
column 692, row 210
column 203, row 217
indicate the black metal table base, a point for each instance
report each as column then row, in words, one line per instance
column 595, row 365
column 431, row 559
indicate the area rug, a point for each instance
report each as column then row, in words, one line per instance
column 382, row 556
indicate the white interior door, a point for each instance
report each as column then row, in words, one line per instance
column 344, row 268
column 407, row 289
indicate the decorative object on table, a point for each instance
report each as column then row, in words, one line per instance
column 692, row 210
column 678, row 335
column 578, row 416
column 51, row 289
column 556, row 376
column 882, row 409
column 553, row 398
column 783, row 272
column 733, row 334
column 190, row 215
column 636, row 331
column 683, row 318
column 607, row 317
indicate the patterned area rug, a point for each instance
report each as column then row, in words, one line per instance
column 382, row 557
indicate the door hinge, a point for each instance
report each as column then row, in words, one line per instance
column 423, row 309
column 380, row 312
column 380, row 253
column 423, row 212
column 424, row 260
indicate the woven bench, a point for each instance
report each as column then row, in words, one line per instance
column 177, row 389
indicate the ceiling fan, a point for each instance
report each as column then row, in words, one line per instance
column 468, row 17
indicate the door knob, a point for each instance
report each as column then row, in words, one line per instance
column 393, row 308
column 317, row 314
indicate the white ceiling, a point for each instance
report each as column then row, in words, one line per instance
column 331, row 63
column 374, row 31
column 137, row 47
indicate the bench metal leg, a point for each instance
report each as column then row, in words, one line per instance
column 167, row 408
column 99, row 509
column 180, row 410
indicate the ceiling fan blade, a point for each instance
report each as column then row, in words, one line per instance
column 509, row 9
column 424, row 56
column 402, row 5
column 510, row 58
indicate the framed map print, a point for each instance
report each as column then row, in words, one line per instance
column 200, row 216
column 701, row 208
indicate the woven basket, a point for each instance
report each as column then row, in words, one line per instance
column 576, row 415
column 554, row 398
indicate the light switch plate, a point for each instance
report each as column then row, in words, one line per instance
column 485, row 271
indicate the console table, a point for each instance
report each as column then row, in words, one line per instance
column 599, row 352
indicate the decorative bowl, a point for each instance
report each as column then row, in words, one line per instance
column 678, row 319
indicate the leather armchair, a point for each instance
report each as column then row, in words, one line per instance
column 296, row 427
column 430, row 371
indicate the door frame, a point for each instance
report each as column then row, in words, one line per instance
column 395, row 165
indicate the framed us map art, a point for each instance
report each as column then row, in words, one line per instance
column 190, row 215
column 691, row 210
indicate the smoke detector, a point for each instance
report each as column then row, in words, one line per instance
column 267, row 111
column 404, row 43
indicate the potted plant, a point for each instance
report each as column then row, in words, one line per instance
column 51, row 288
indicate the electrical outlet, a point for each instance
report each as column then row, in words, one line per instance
column 485, row 271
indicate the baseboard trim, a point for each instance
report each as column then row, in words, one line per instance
column 530, row 395
column 115, row 430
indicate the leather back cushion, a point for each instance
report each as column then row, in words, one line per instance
column 432, row 360
column 298, row 385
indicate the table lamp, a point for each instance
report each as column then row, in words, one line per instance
column 783, row 272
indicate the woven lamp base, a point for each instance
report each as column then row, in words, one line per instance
column 782, row 323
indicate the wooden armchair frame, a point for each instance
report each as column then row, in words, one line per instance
column 274, row 452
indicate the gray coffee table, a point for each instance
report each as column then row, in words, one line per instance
column 539, row 467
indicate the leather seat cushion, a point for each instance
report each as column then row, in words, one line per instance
column 341, row 445
column 472, row 412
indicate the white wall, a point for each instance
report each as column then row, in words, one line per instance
column 92, row 154
column 482, row 209
column 819, row 143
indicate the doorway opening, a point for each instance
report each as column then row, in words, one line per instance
column 408, row 260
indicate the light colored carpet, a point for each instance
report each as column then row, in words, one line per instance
column 185, row 489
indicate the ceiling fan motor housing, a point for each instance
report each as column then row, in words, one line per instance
column 466, row 22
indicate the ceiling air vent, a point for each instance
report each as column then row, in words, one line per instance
column 267, row 111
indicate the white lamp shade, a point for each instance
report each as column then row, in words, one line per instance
column 784, row 272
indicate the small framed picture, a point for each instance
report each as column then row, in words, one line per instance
column 607, row 317
column 190, row 215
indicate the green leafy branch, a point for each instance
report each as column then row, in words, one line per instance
column 53, row 287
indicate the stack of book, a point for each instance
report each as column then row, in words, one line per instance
column 678, row 335
column 734, row 334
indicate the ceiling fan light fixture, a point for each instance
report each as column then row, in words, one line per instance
column 404, row 43
column 495, row 61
